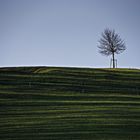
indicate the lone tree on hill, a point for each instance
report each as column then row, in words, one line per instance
column 111, row 43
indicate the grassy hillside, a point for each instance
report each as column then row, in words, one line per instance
column 50, row 103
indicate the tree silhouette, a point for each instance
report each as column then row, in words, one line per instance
column 111, row 44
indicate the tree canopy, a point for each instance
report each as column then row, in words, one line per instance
column 111, row 43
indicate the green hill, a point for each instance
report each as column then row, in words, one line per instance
column 52, row 103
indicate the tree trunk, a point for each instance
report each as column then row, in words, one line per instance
column 113, row 60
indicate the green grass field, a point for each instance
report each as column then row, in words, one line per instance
column 52, row 103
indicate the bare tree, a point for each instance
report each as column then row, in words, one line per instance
column 111, row 44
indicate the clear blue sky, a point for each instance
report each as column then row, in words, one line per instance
column 66, row 32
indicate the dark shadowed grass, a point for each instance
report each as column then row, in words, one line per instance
column 52, row 103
